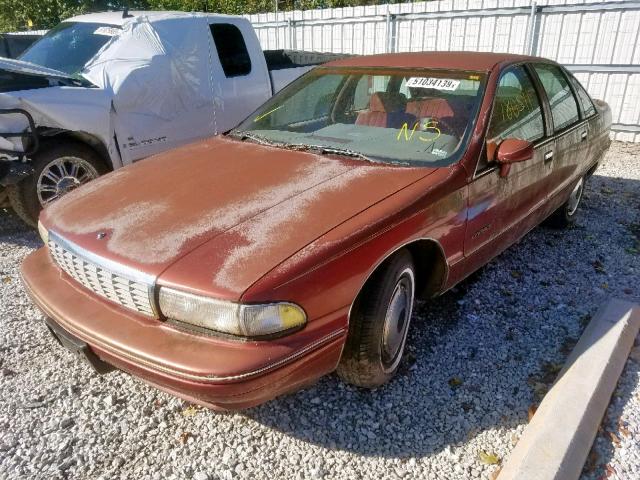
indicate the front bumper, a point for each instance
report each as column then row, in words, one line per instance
column 213, row 371
column 12, row 171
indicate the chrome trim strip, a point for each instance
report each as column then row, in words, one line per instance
column 209, row 378
column 114, row 267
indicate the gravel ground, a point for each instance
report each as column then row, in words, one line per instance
column 479, row 358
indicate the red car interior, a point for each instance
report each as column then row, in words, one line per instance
column 452, row 113
column 386, row 109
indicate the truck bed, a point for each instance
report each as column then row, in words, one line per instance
column 287, row 65
column 279, row 59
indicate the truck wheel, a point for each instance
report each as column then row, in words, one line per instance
column 379, row 324
column 58, row 169
column 565, row 216
column 4, row 198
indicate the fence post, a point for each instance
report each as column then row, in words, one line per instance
column 390, row 47
column 291, row 28
column 534, row 28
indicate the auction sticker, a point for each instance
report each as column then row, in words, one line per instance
column 107, row 31
column 431, row 82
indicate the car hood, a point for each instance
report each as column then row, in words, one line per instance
column 220, row 209
column 28, row 70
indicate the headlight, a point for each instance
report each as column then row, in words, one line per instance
column 44, row 233
column 230, row 317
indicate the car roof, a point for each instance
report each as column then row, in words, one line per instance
column 473, row 61
column 116, row 18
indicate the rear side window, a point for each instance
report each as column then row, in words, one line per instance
column 564, row 108
column 516, row 111
column 585, row 100
column 232, row 50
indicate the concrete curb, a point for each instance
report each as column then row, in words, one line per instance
column 558, row 439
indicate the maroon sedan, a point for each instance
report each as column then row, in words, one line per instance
column 235, row 269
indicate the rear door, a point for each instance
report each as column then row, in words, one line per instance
column 587, row 112
column 502, row 209
column 570, row 129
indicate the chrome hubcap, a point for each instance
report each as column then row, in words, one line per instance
column 574, row 198
column 396, row 321
column 61, row 176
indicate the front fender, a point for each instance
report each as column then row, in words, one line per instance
column 328, row 274
column 61, row 108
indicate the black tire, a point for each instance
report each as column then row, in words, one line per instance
column 4, row 198
column 365, row 360
column 24, row 196
column 565, row 216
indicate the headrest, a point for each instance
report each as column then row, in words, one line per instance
column 387, row 102
column 431, row 107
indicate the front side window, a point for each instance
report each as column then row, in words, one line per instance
column 232, row 51
column 564, row 108
column 69, row 46
column 389, row 115
column 516, row 110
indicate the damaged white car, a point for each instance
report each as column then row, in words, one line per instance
column 100, row 91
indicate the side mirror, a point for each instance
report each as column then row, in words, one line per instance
column 513, row 150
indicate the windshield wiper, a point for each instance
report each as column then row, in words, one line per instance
column 320, row 149
column 242, row 136
column 324, row 150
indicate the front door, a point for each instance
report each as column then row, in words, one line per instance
column 502, row 209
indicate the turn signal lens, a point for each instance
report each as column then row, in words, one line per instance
column 229, row 317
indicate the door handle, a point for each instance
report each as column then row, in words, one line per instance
column 548, row 156
column 583, row 135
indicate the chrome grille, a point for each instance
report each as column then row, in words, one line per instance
column 133, row 294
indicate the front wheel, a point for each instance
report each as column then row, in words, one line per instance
column 379, row 324
column 58, row 169
column 565, row 216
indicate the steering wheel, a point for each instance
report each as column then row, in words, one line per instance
column 445, row 127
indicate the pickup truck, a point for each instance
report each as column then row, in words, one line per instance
column 103, row 90
column 12, row 44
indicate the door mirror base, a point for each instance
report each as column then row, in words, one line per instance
column 512, row 150
column 504, row 169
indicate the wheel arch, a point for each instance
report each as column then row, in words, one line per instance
column 430, row 268
column 84, row 138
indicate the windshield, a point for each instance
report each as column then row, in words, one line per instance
column 69, row 46
column 412, row 117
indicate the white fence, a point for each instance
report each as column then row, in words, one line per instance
column 596, row 40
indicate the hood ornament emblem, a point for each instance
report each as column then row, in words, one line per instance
column 101, row 235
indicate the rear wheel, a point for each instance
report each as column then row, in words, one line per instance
column 565, row 216
column 379, row 324
column 58, row 169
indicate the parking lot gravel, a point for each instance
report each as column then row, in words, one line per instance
column 479, row 359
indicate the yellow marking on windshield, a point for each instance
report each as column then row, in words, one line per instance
column 405, row 130
column 260, row 117
column 428, row 126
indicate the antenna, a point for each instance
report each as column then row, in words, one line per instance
column 125, row 13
